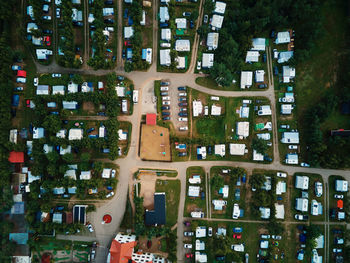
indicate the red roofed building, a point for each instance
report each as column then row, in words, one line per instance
column 122, row 251
column 151, row 119
column 16, row 157
column 21, row 73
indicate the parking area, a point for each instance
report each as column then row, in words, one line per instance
column 179, row 107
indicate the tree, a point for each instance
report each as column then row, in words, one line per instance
column 217, row 181
column 259, row 145
column 220, row 73
column 85, row 157
column 52, row 123
column 257, row 180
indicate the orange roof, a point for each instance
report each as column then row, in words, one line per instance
column 151, row 119
column 16, row 157
column 121, row 252
column 340, row 204
column 21, row 73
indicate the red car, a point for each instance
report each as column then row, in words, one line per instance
column 28, row 103
column 189, row 255
column 127, row 43
column 47, row 40
column 237, row 236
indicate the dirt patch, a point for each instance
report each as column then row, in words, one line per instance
column 191, row 207
column 155, row 247
column 148, row 188
column 78, row 36
column 89, row 107
column 262, row 231
column 155, row 143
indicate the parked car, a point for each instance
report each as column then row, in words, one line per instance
column 305, row 165
column 318, row 189
column 182, row 154
column 166, row 102
column 336, row 196
column 182, row 94
column 181, row 88
column 262, row 86
column 18, row 89
column 165, row 98
column 164, row 93
column 210, row 231
column 109, row 21
column 47, row 31
column 186, row 14
column 165, row 108
column 163, row 25
column 183, row 114
column 301, row 217
column 188, row 246
column 282, row 175
column 285, row 126
column 165, row 113
column 164, row 83
column 237, row 230
column 188, row 234
column 265, row 236
column 165, row 44
column 189, row 255
column 58, row 12
column 56, row 75
column 36, row 81
column 293, row 147
column 21, row 80
column 109, row 194
column 16, row 67
column 205, row 19
column 89, row 226
column 184, row 99
column 120, row 78
column 275, row 70
column 93, row 254
column 183, row 128
column 48, row 18
column 113, row 173
column 164, row 88
column 220, row 258
column 183, row 119
column 166, row 118
column 183, row 104
column 237, row 236
column 183, row 109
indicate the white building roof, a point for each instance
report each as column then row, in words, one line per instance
column 264, row 110
column 259, row 75
column 246, row 79
column 165, row 59
column 284, row 56
column 42, row 90
column 237, row 149
column 181, row 62
column 71, row 174
column 264, row 136
column 220, row 7
column 242, row 129
column 31, row 26
column 292, row 158
column 201, row 231
column 58, row 89
column 302, row 204
column 224, row 191
column 182, row 45
column 281, row 187
column 244, row 112
column 286, row 109
column 63, row 151
column 72, row 87
column 252, row 56
column 302, row 182
column 106, row 173
column 61, row 133
column 21, row 259
column 85, row 175
column 219, row 204
column 216, row 21
column 265, row 212
column 120, row 91
column 257, row 156
column 212, row 40
column 122, row 135
column 258, row 44
column 279, row 211
column 75, row 134
column 163, row 14
column 220, row 149
column 128, row 32
column 282, row 37
column 165, row 34
column 288, row 73
column 121, row 238
column 200, row 245
column 193, row 191
column 207, row 60
column 38, row 132
column 341, row 185
column 195, row 179
column 215, row 110
column 197, row 108
column 290, row 137
column 200, row 257
column 181, row 23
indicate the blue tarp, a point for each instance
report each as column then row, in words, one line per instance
column 19, row 238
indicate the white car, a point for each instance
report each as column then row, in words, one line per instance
column 165, row 98
column 282, row 175
column 58, row 13
column 293, row 147
column 183, row 94
column 113, row 173
column 166, row 102
column 109, row 194
column 236, row 211
column 210, row 231
column 36, row 82
column 56, row 75
column 21, row 80
column 318, row 189
column 338, row 196
column 164, row 88
column 199, row 65
column 305, row 165
column 89, row 226
column 183, row 119
column 188, row 246
column 48, row 18
column 183, row 128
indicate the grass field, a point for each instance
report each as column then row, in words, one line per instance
column 172, row 190
column 195, row 203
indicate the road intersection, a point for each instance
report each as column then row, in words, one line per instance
column 132, row 162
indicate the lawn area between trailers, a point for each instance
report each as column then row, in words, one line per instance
column 195, row 203
column 172, row 190
column 333, row 201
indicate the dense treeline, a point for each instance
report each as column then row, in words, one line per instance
column 6, row 86
column 246, row 19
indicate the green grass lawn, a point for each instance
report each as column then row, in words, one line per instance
column 172, row 190
column 192, row 203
